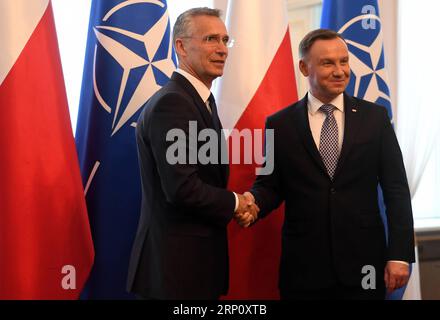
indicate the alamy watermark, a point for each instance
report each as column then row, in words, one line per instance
column 247, row 147
column 369, row 23
column 68, row 282
column 369, row 280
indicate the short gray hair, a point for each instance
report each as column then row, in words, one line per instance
column 311, row 37
column 182, row 24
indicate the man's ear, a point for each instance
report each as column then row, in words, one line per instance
column 180, row 48
column 303, row 67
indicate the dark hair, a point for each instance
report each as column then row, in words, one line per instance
column 181, row 27
column 318, row 34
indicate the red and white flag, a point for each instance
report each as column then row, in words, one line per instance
column 259, row 80
column 46, row 249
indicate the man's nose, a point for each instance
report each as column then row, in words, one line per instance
column 222, row 48
column 338, row 71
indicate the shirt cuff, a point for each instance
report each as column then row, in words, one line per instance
column 236, row 201
column 398, row 261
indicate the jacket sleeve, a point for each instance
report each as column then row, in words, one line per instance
column 267, row 188
column 393, row 180
column 180, row 181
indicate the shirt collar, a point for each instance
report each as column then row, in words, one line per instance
column 314, row 103
column 200, row 87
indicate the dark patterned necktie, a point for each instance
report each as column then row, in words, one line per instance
column 214, row 114
column 329, row 141
column 223, row 156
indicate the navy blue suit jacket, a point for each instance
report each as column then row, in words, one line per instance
column 181, row 248
column 333, row 228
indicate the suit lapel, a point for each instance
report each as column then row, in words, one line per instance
column 352, row 123
column 198, row 102
column 302, row 125
column 206, row 116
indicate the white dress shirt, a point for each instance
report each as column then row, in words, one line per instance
column 317, row 117
column 203, row 91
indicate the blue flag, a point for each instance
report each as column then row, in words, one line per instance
column 359, row 23
column 129, row 56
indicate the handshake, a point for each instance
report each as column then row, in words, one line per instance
column 247, row 211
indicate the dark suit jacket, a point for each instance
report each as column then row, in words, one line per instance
column 332, row 229
column 180, row 250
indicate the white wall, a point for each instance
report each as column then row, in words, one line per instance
column 176, row 7
column 222, row 5
column 71, row 20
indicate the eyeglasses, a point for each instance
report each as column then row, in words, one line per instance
column 214, row 40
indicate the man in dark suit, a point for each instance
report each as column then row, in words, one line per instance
column 181, row 249
column 331, row 151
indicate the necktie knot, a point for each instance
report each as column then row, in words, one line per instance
column 327, row 109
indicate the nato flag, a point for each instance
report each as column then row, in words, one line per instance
column 129, row 56
column 359, row 23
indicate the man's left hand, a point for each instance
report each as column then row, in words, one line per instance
column 396, row 275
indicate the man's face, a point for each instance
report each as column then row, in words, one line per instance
column 326, row 66
column 204, row 59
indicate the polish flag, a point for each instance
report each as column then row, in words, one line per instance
column 258, row 80
column 46, row 249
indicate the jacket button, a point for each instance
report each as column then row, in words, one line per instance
column 332, row 190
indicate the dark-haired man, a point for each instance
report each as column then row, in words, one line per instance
column 331, row 151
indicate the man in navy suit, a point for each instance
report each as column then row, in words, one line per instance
column 331, row 152
column 181, row 248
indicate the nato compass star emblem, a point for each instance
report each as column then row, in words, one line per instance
column 369, row 79
column 142, row 60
